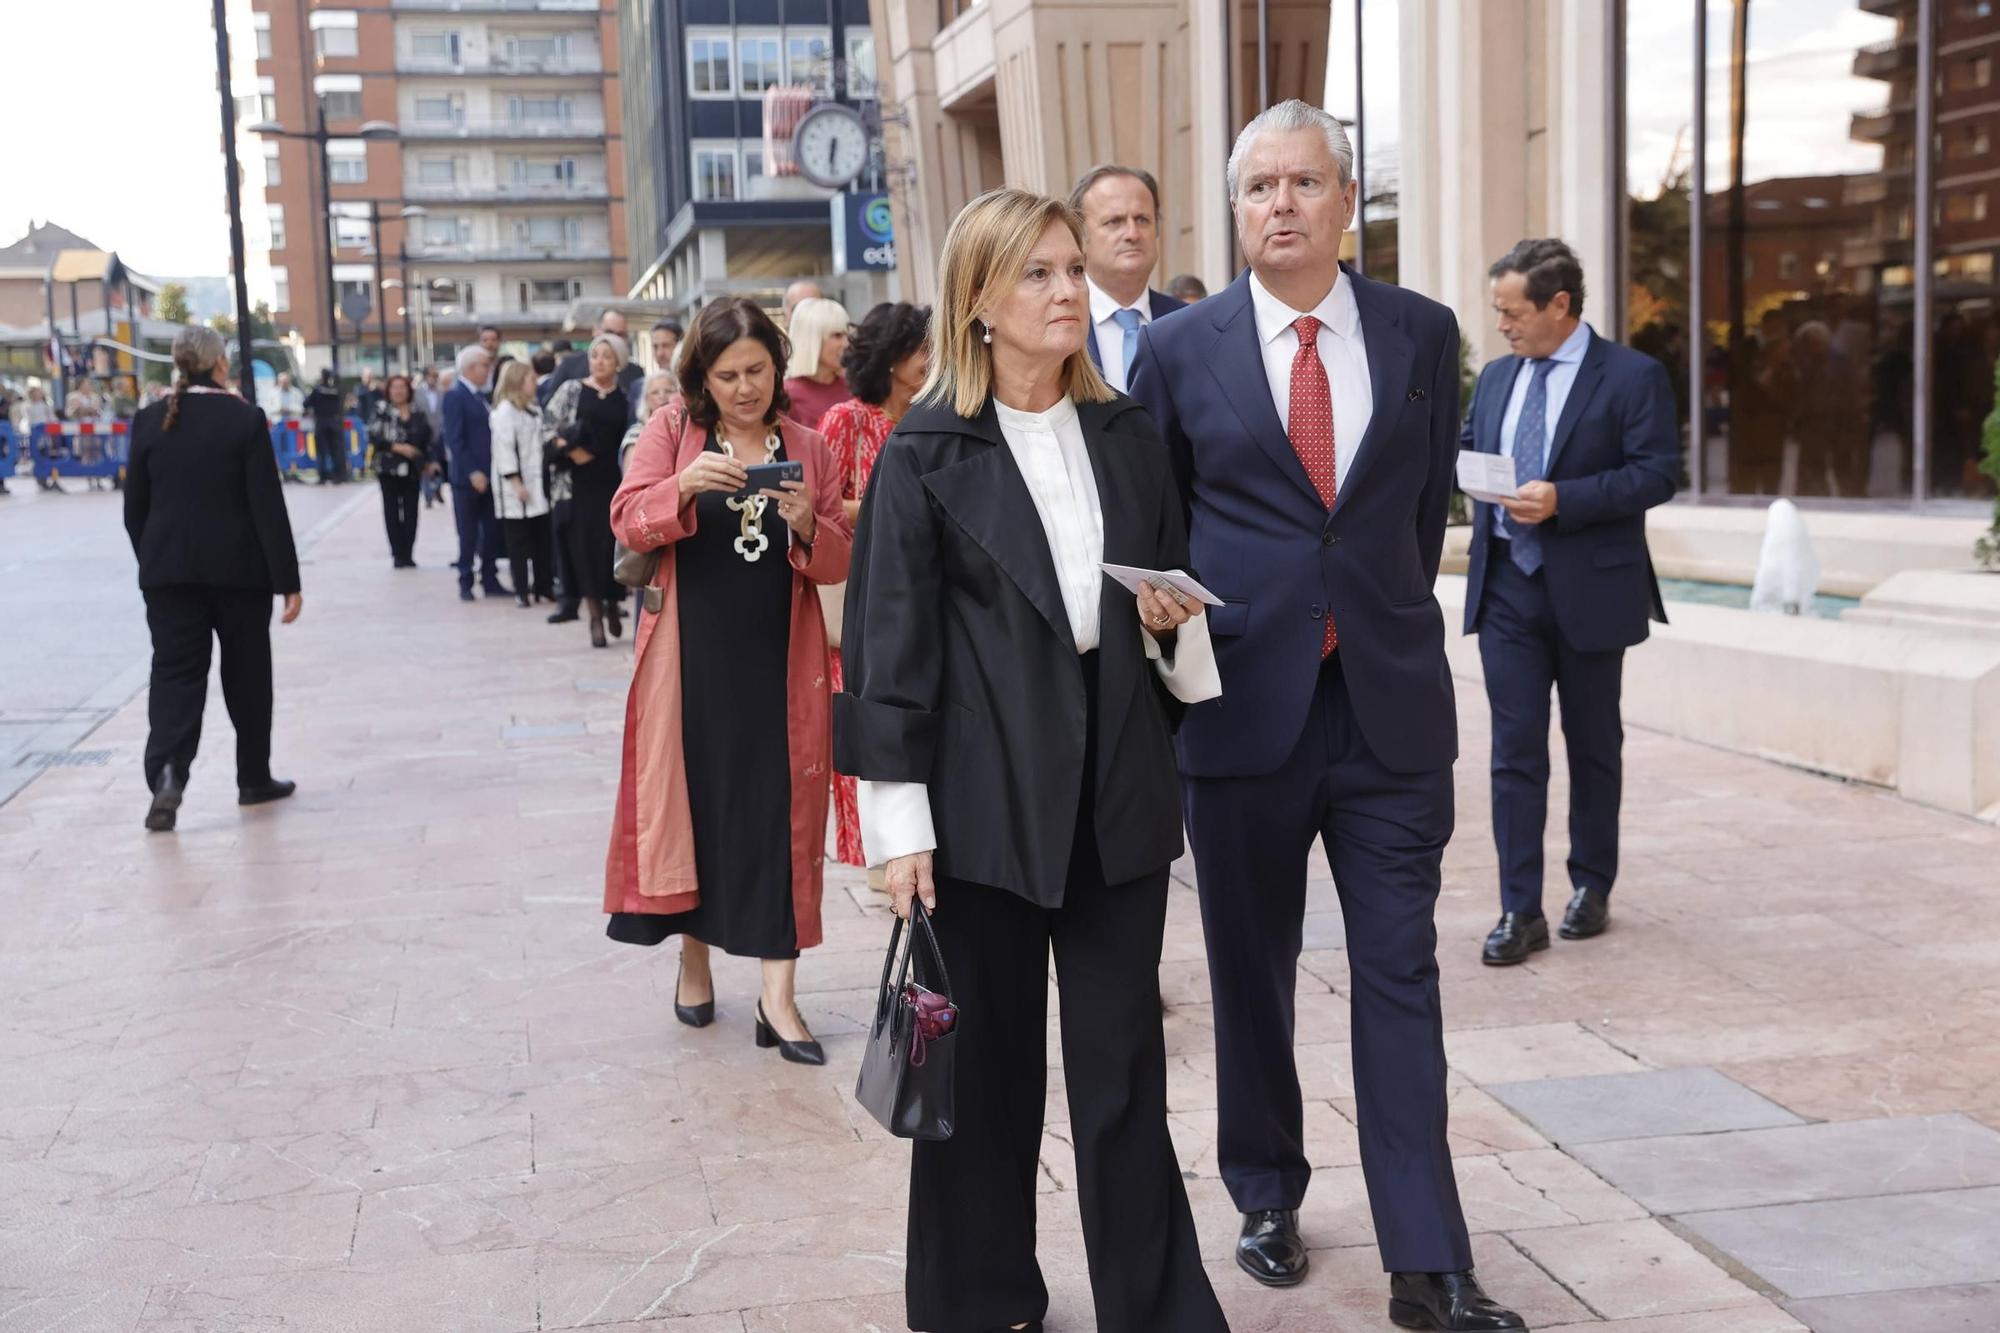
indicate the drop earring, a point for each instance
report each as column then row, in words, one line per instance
column 987, row 337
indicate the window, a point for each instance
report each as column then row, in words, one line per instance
column 261, row 106
column 708, row 64
column 441, row 48
column 544, row 292
column 1973, row 140
column 715, row 172
column 809, row 57
column 447, row 232
column 281, row 289
column 452, row 296
column 437, row 171
column 262, row 26
column 347, row 161
column 335, row 34
column 544, row 171
column 861, row 64
column 545, row 233
column 753, row 164
column 758, row 63
column 339, row 95
column 540, row 110
column 438, row 108
column 350, row 225
column 1965, row 206
column 277, row 226
column 272, row 174
column 538, row 51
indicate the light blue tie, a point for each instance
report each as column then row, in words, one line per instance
column 1128, row 320
column 1531, row 446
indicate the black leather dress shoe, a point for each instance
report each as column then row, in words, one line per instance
column 1517, row 936
column 562, row 616
column 167, row 794
column 272, row 789
column 1270, row 1249
column 1451, row 1302
column 1589, row 913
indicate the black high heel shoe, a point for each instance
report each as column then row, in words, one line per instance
column 597, row 639
column 807, row 1052
column 694, row 1015
column 614, row 621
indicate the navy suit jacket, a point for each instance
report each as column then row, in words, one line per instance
column 1615, row 454
column 1163, row 305
column 1261, row 539
column 468, row 434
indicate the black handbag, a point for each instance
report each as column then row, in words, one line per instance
column 906, row 1068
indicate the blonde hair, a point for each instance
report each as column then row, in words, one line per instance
column 812, row 320
column 517, row 385
column 985, row 250
column 619, row 348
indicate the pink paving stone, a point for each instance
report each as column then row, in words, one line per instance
column 366, row 1058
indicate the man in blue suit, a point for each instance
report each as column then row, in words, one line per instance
column 468, row 440
column 1120, row 207
column 1313, row 418
column 1560, row 584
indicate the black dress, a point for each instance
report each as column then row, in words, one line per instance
column 600, row 428
column 735, row 623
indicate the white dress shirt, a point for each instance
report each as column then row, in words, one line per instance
column 1342, row 350
column 1049, row 449
column 1104, row 310
column 1568, row 361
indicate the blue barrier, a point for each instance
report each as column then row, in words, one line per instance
column 296, row 444
column 10, row 448
column 80, row 449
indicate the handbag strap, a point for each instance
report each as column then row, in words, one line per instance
column 923, row 919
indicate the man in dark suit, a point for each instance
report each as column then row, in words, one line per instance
column 1560, row 585
column 1313, row 416
column 468, row 440
column 576, row 365
column 1120, row 207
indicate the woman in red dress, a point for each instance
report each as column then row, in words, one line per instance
column 885, row 362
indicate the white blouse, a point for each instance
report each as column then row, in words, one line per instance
column 1049, row 449
column 517, row 449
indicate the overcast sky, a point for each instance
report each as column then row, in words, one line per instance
column 115, row 131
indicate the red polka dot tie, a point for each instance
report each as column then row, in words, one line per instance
column 1311, row 428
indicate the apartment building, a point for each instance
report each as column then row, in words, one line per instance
column 483, row 134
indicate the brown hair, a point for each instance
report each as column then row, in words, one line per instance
column 198, row 350
column 720, row 326
column 409, row 389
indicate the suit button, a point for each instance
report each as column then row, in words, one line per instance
column 1327, row 539
column 1318, row 611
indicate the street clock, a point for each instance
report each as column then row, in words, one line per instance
column 831, row 146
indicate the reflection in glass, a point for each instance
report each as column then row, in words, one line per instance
column 1378, row 136
column 1806, row 271
column 1659, row 170
column 1966, row 330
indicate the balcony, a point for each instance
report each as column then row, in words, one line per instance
column 1883, row 59
column 462, row 192
column 582, row 252
column 431, row 131
column 543, row 316
column 574, row 66
column 498, row 6
column 1884, row 122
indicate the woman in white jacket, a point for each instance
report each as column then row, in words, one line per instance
column 521, row 499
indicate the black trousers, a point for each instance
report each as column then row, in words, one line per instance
column 1384, row 834
column 971, row 1246
column 399, row 514
column 1524, row 654
column 184, row 620
column 528, row 556
column 569, row 596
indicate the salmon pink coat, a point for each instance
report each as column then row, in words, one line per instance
column 651, row 866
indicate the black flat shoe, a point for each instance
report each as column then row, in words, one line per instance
column 1589, row 913
column 1517, row 936
column 1448, row 1303
column 615, row 622
column 275, row 789
column 465, row 595
column 560, row 617
column 1270, row 1249
column 694, row 1015
column 597, row 639
column 807, row 1052
column 166, row 803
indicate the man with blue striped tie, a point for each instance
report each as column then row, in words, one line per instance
column 1560, row 583
column 1120, row 207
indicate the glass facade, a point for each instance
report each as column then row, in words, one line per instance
column 1363, row 89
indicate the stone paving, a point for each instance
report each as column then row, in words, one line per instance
column 365, row 1061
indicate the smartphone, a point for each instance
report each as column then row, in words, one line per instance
column 767, row 476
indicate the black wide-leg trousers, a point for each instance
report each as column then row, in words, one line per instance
column 971, row 1245
column 185, row 621
column 399, row 514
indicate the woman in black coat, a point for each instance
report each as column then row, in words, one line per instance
column 206, row 513
column 401, row 436
column 1008, row 710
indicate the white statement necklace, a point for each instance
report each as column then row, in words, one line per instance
column 751, row 543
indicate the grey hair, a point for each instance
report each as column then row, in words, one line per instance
column 468, row 354
column 1287, row 116
column 198, row 348
column 619, row 348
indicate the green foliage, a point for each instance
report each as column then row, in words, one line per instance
column 1461, row 509
column 261, row 325
column 172, row 303
column 1987, row 549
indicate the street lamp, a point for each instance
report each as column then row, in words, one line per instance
column 246, row 378
column 372, row 130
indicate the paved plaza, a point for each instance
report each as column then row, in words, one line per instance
column 365, row 1061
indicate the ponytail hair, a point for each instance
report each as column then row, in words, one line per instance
column 198, row 351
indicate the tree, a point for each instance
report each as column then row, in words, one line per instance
column 172, row 304
column 261, row 325
column 1987, row 549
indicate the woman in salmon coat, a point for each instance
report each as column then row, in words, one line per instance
column 719, row 835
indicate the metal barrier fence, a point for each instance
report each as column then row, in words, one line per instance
column 10, row 448
column 103, row 449
column 297, row 446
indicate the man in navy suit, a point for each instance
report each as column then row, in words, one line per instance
column 468, row 440
column 1560, row 585
column 1120, row 207
column 1313, row 417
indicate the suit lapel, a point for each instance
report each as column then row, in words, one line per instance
column 1091, row 345
column 1390, row 354
column 1498, row 391
column 1236, row 360
column 1120, row 493
column 1588, row 376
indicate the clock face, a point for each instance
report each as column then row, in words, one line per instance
column 831, row 146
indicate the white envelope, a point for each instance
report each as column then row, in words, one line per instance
column 1488, row 477
column 1132, row 577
